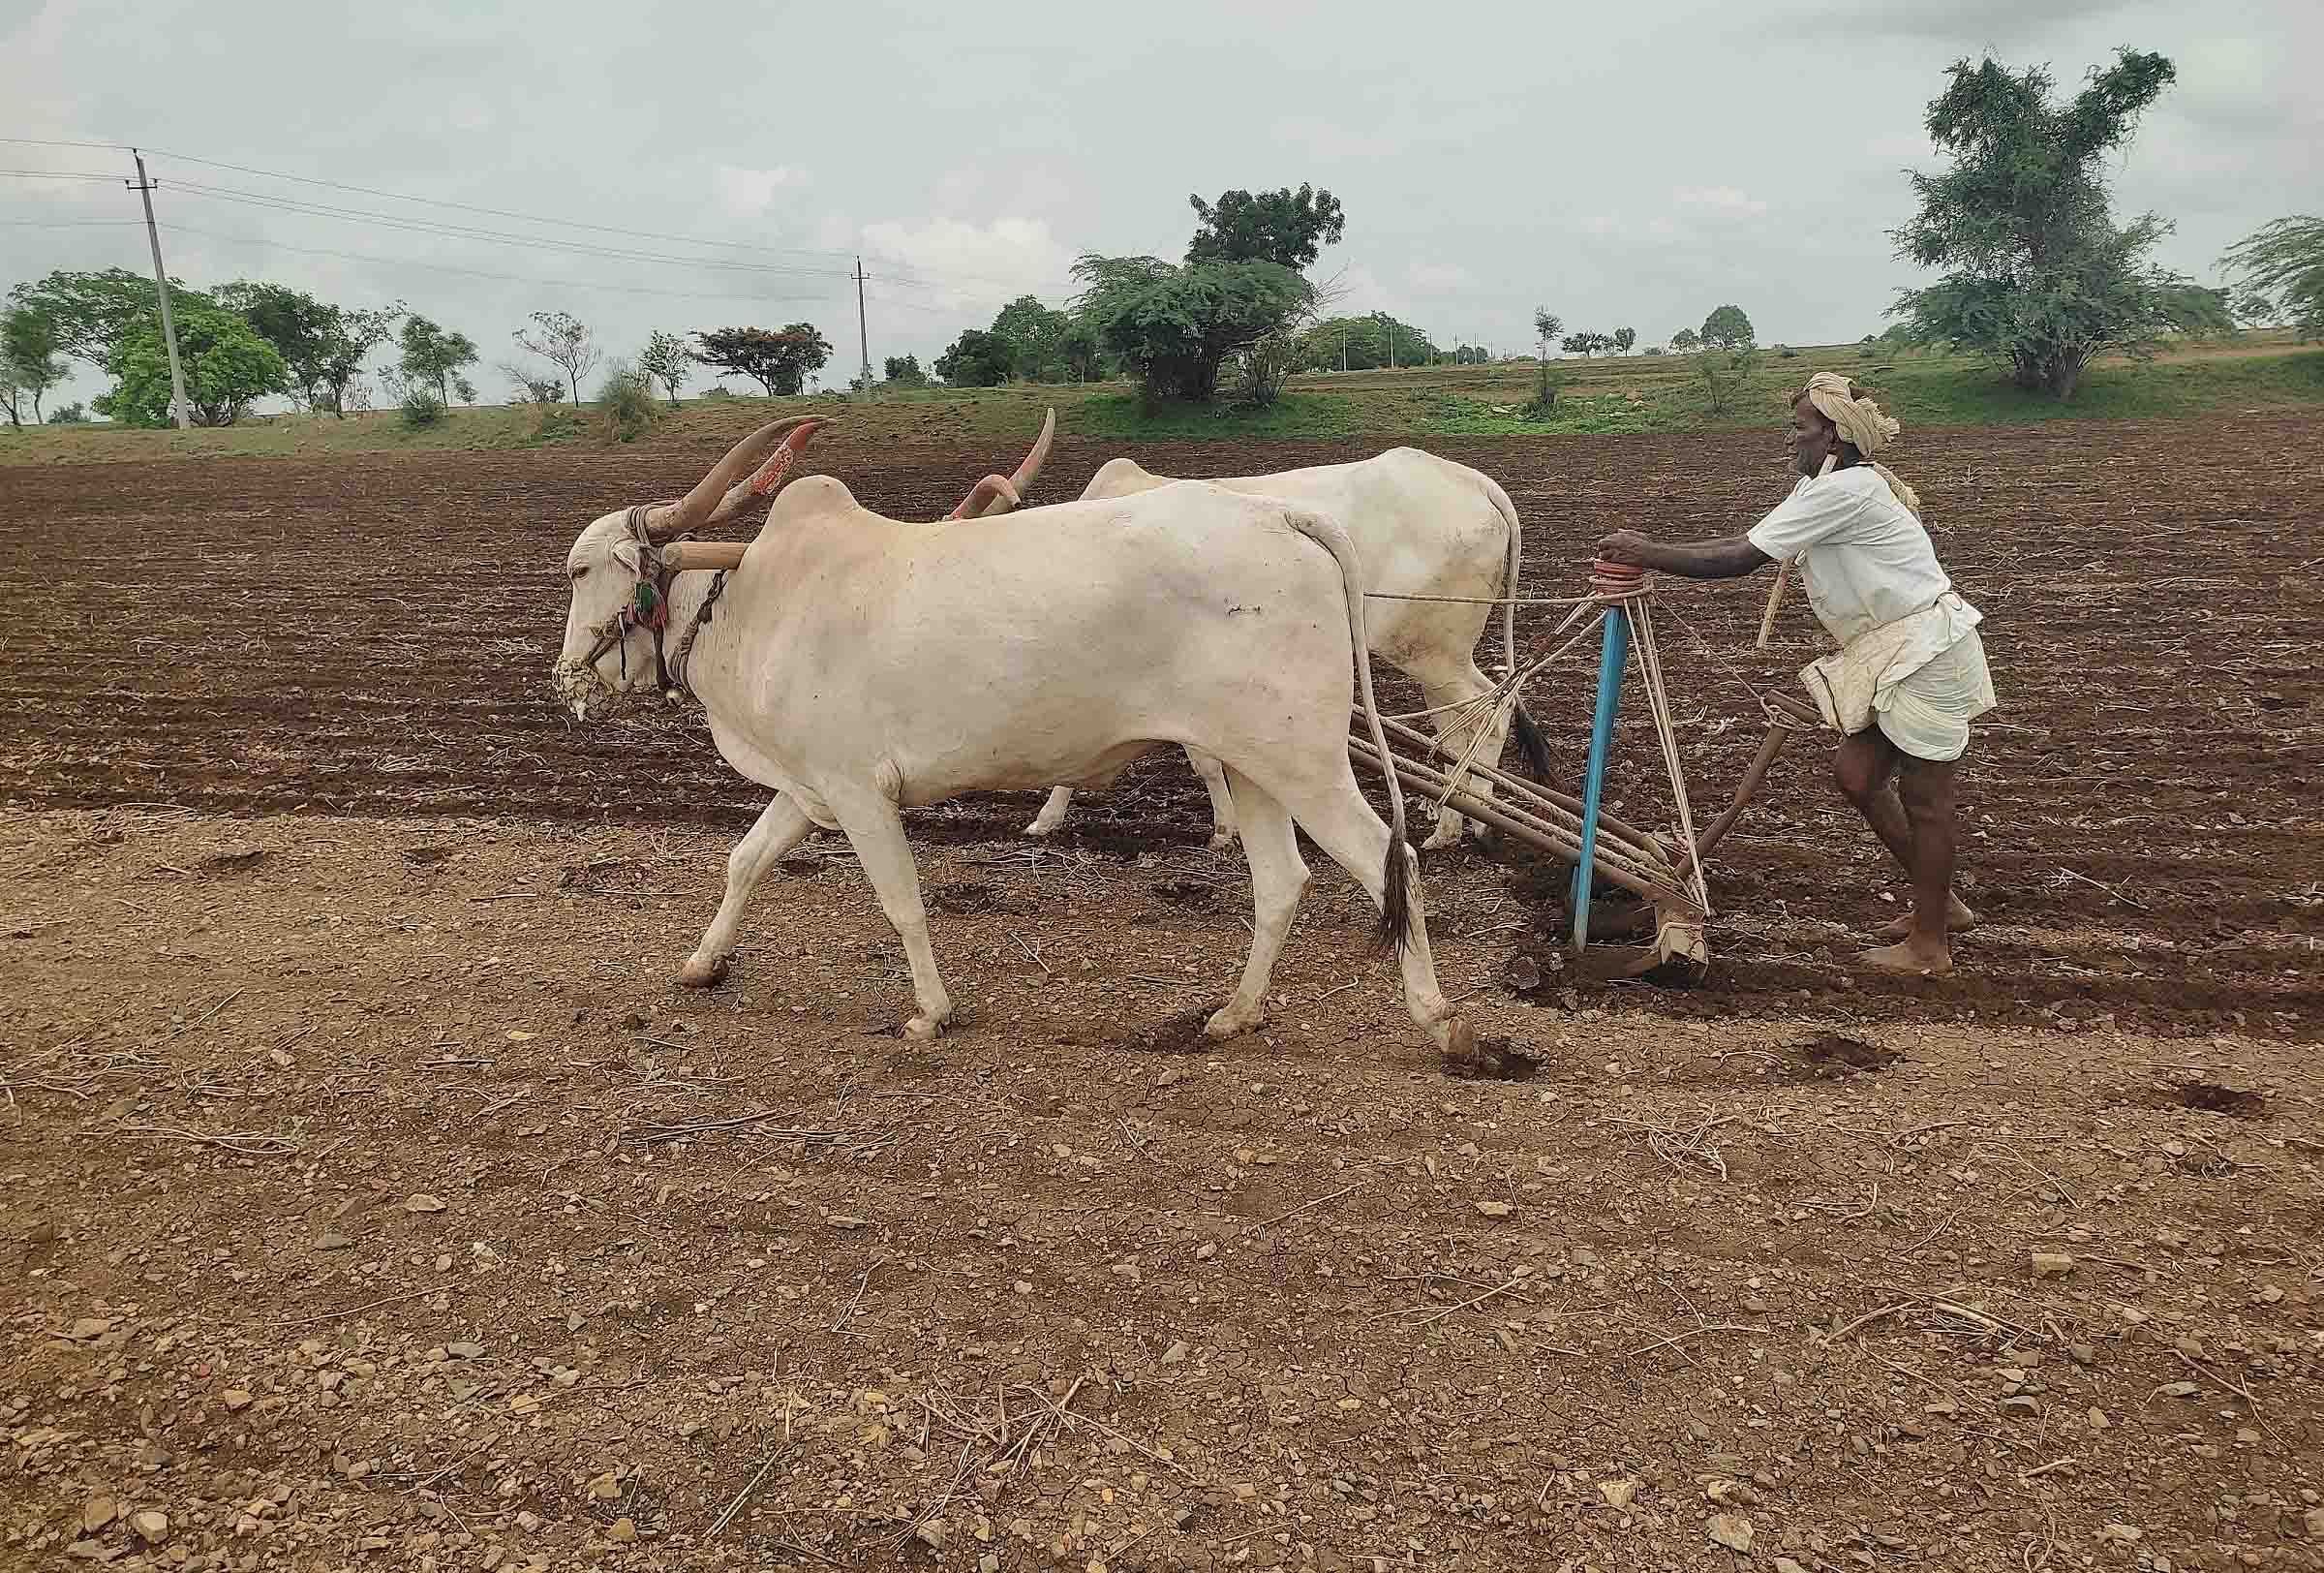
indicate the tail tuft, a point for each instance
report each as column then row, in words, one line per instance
column 1532, row 744
column 1393, row 931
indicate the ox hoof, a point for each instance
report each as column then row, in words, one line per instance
column 1225, row 1022
column 923, row 1028
column 1037, row 828
column 1221, row 840
column 698, row 973
column 1459, row 1042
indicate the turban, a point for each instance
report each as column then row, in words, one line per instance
column 1861, row 425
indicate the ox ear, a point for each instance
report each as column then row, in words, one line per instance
column 632, row 555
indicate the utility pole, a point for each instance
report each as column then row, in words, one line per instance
column 863, row 336
column 161, row 283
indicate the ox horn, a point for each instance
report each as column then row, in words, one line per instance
column 769, row 478
column 994, row 494
column 694, row 509
column 985, row 500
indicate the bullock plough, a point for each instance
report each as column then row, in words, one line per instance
column 1663, row 872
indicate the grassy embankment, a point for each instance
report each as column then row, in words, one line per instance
column 1637, row 393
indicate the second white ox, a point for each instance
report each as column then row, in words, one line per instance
column 860, row 665
column 1421, row 526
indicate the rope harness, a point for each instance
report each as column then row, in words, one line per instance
column 649, row 608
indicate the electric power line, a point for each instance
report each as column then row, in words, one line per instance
column 462, row 232
column 506, row 278
column 503, row 212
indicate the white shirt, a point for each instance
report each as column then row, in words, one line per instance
column 1863, row 557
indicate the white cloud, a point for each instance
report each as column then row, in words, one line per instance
column 957, row 263
column 1720, row 200
column 1335, row 142
column 1442, row 277
column 746, row 193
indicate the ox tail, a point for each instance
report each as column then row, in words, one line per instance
column 1531, row 742
column 1400, row 871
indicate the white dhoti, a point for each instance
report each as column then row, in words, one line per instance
column 1927, row 714
column 1921, row 679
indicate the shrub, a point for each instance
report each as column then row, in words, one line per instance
column 422, row 409
column 626, row 408
column 552, row 421
column 69, row 415
column 1724, row 374
column 717, row 390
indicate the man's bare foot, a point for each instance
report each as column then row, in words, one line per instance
column 1910, row 958
column 1958, row 919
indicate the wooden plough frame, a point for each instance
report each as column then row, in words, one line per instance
column 1551, row 820
column 1673, row 896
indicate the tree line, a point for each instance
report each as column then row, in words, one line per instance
column 250, row 340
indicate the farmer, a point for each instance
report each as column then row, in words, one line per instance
column 1909, row 675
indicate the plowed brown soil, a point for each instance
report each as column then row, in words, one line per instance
column 370, row 1198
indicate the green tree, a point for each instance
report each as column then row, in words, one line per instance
column 977, row 358
column 95, row 313
column 1287, row 228
column 1624, row 338
column 1085, row 353
column 228, row 368
column 564, row 341
column 2280, row 270
column 667, row 361
column 2039, row 275
column 1362, row 344
column 1175, row 327
column 435, row 357
column 324, row 345
column 30, row 363
column 1728, row 329
column 1686, row 339
column 1035, row 334
column 69, row 415
column 779, row 359
column 1547, row 325
column 903, row 371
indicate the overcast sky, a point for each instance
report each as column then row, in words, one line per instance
column 1632, row 163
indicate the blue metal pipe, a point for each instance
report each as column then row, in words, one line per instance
column 1613, row 659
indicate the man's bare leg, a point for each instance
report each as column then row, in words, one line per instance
column 1866, row 767
column 1925, row 789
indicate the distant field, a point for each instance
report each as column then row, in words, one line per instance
column 1627, row 394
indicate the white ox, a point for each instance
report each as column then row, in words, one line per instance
column 1421, row 526
column 860, row 665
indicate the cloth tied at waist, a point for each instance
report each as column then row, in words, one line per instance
column 1858, row 679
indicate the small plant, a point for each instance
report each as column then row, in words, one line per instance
column 422, row 409
column 1545, row 394
column 626, row 403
